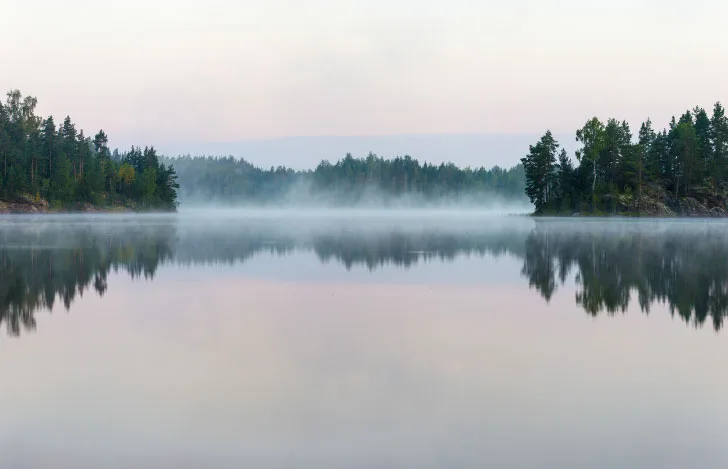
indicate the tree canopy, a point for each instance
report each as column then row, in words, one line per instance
column 682, row 166
column 61, row 165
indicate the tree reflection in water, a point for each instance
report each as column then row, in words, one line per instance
column 42, row 264
column 683, row 265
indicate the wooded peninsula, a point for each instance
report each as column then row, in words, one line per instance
column 49, row 168
column 681, row 170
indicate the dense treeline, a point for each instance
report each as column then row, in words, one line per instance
column 59, row 164
column 683, row 169
column 348, row 181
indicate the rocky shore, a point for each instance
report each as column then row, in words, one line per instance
column 655, row 202
column 658, row 203
column 23, row 206
column 30, row 206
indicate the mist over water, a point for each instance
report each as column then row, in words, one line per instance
column 301, row 199
column 610, row 262
column 371, row 182
column 362, row 338
column 283, row 213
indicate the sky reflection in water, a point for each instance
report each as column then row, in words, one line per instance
column 275, row 343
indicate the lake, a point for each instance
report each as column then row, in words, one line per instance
column 362, row 340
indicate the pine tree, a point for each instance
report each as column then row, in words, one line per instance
column 541, row 176
column 49, row 145
column 70, row 146
column 566, row 193
column 704, row 151
column 719, row 136
column 649, row 167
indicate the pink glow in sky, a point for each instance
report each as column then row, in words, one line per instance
column 160, row 71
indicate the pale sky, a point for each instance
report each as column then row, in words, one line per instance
column 167, row 72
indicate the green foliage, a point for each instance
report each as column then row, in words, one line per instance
column 67, row 168
column 613, row 171
column 541, row 177
column 63, row 187
column 719, row 137
column 348, row 181
column 147, row 184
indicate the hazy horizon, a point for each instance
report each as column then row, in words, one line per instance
column 158, row 72
column 305, row 152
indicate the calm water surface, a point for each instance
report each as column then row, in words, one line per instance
column 367, row 341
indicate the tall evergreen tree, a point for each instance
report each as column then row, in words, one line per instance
column 49, row 145
column 541, row 175
column 685, row 147
column 719, row 136
column 704, row 151
column 566, row 182
column 649, row 168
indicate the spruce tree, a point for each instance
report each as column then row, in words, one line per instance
column 541, row 176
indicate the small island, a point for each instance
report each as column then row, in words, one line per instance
column 679, row 171
column 49, row 169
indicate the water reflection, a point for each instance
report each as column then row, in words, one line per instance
column 680, row 264
column 44, row 263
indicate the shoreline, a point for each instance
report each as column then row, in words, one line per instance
column 653, row 205
column 631, row 216
column 42, row 208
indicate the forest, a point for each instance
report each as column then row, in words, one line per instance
column 44, row 165
column 346, row 182
column 50, row 167
column 680, row 170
